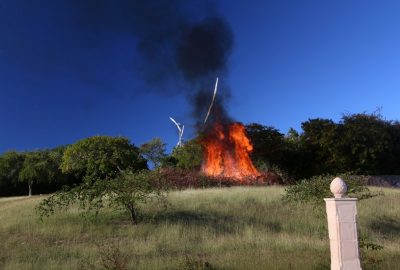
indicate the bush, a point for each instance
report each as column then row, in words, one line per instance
column 315, row 189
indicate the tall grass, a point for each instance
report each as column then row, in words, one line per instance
column 228, row 228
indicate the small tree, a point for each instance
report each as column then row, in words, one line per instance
column 107, row 166
column 154, row 151
column 34, row 169
column 188, row 156
column 129, row 190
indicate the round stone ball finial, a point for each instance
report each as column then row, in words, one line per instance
column 338, row 187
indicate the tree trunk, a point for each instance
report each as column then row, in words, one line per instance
column 30, row 189
column 133, row 213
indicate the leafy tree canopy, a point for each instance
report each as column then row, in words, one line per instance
column 101, row 157
column 10, row 164
column 154, row 151
column 35, row 168
column 189, row 155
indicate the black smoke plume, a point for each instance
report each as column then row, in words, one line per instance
column 176, row 44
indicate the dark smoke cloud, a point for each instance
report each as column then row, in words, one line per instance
column 204, row 49
column 177, row 44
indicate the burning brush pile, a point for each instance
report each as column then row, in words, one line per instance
column 226, row 155
column 226, row 151
column 226, row 148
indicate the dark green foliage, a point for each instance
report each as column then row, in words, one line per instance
column 361, row 143
column 10, row 165
column 365, row 142
column 168, row 162
column 318, row 139
column 37, row 169
column 268, row 144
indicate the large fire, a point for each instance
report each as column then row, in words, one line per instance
column 226, row 152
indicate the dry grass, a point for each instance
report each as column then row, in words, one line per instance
column 231, row 228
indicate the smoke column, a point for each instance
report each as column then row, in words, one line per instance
column 174, row 44
column 178, row 43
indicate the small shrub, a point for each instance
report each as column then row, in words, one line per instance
column 190, row 263
column 369, row 252
column 364, row 243
column 110, row 258
column 315, row 189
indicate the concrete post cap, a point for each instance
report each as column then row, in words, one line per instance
column 338, row 187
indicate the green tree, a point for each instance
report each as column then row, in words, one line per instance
column 111, row 168
column 365, row 141
column 391, row 161
column 34, row 169
column 154, row 151
column 11, row 163
column 294, row 156
column 188, row 156
column 101, row 157
column 268, row 144
column 319, row 141
column 128, row 190
column 131, row 190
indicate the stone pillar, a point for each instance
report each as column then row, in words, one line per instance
column 342, row 225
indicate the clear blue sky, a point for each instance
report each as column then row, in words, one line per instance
column 66, row 75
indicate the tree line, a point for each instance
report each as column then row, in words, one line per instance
column 88, row 160
column 23, row 172
column 359, row 143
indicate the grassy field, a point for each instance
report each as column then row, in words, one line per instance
column 229, row 228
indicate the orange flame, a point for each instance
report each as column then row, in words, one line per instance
column 226, row 153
